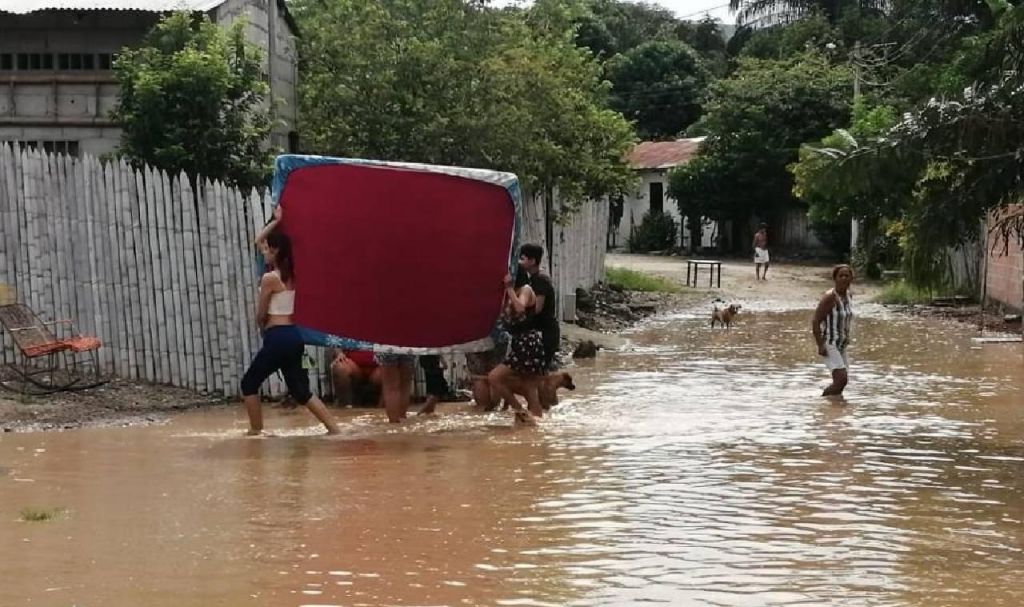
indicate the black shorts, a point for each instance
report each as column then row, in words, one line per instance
column 433, row 375
column 552, row 337
column 282, row 349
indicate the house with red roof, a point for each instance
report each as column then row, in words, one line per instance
column 652, row 161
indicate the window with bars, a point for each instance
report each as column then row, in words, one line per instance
column 69, row 148
column 48, row 62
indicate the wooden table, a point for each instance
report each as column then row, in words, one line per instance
column 694, row 265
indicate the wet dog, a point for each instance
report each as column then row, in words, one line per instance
column 724, row 315
column 549, row 384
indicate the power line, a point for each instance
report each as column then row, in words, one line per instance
column 704, row 11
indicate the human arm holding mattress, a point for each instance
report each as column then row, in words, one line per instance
column 519, row 301
column 270, row 227
column 267, row 286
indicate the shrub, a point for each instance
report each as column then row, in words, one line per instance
column 656, row 232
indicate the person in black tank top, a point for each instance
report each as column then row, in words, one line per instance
column 524, row 365
column 530, row 257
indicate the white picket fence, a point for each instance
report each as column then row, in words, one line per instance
column 159, row 269
column 163, row 270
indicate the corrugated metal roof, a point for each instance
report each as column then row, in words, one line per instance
column 663, row 154
column 22, row 7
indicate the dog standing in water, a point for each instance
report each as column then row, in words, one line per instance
column 551, row 381
column 724, row 315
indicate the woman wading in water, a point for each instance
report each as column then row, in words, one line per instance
column 282, row 345
column 831, row 327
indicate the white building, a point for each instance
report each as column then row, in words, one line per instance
column 652, row 160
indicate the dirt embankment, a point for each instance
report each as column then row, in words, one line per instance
column 117, row 403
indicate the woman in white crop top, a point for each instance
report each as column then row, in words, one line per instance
column 282, row 343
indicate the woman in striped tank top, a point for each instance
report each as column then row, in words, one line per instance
column 831, row 326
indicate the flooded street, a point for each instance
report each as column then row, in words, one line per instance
column 697, row 467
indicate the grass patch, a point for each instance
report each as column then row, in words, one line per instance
column 36, row 515
column 904, row 293
column 631, row 280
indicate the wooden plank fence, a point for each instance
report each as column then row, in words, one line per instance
column 163, row 270
column 575, row 255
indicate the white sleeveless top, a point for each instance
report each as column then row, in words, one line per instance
column 836, row 326
column 282, row 303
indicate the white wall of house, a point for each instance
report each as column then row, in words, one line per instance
column 638, row 204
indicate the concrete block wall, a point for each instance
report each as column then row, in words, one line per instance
column 65, row 105
column 73, row 31
column 75, row 105
column 1005, row 275
column 265, row 17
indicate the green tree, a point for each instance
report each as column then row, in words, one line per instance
column 658, row 85
column 812, row 32
column 193, row 99
column 755, row 121
column 873, row 194
column 706, row 38
column 451, row 82
column 937, row 172
column 834, row 192
column 610, row 27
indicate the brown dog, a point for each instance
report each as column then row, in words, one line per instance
column 551, row 381
column 724, row 315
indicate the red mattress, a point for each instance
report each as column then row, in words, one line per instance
column 400, row 257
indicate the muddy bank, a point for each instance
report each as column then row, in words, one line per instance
column 609, row 309
column 991, row 321
column 118, row 403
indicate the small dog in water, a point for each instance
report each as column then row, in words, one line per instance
column 724, row 315
column 551, row 381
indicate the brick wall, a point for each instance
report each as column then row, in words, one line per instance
column 1005, row 275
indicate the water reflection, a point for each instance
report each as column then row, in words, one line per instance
column 697, row 468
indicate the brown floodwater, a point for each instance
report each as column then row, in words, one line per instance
column 697, row 467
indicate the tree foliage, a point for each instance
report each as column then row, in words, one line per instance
column 659, row 85
column 659, row 66
column 193, row 99
column 611, row 27
column 452, row 82
column 834, row 192
column 756, row 120
column 945, row 165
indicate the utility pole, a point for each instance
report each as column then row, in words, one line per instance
column 855, row 60
column 856, row 70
